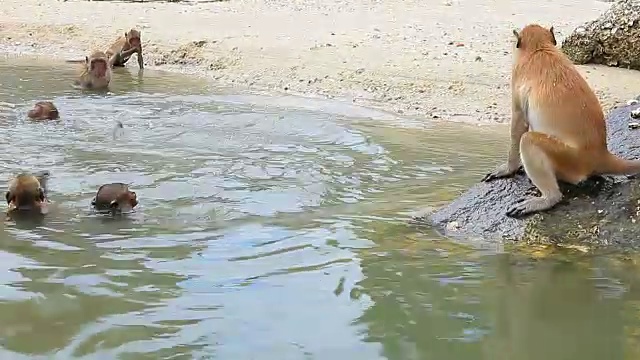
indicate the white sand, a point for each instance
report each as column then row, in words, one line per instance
column 448, row 59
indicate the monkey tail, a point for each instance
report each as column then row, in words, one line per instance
column 614, row 165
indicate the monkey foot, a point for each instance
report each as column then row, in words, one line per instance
column 501, row 174
column 532, row 192
column 529, row 205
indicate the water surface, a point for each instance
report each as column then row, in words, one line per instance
column 271, row 228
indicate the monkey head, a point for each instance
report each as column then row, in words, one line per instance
column 97, row 64
column 25, row 193
column 534, row 36
column 115, row 197
column 125, row 201
column 44, row 110
column 133, row 38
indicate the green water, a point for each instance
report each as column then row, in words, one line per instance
column 271, row 229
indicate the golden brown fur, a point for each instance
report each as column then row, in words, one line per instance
column 121, row 50
column 96, row 72
column 558, row 127
column 27, row 192
column 43, row 110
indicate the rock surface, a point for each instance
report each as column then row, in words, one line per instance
column 599, row 213
column 613, row 39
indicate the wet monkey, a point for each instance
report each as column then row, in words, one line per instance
column 96, row 73
column 121, row 50
column 27, row 192
column 115, row 197
column 558, row 129
column 44, row 110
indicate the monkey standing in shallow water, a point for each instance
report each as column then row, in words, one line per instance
column 28, row 192
column 115, row 197
column 43, row 110
column 121, row 50
column 567, row 138
column 96, row 73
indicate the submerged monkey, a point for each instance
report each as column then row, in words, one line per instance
column 44, row 110
column 96, row 73
column 28, row 192
column 121, row 50
column 115, row 197
column 558, row 129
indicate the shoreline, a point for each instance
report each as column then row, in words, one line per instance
column 406, row 59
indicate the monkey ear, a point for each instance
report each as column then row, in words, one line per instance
column 8, row 197
column 113, row 204
column 553, row 36
column 517, row 35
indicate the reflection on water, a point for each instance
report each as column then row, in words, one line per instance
column 266, row 230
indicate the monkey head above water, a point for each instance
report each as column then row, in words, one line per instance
column 558, row 129
column 121, row 50
column 96, row 73
column 28, row 192
column 44, row 110
column 115, row 197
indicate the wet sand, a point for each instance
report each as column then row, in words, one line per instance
column 446, row 60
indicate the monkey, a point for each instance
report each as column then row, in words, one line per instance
column 44, row 110
column 115, row 197
column 27, row 192
column 96, row 72
column 121, row 50
column 558, row 129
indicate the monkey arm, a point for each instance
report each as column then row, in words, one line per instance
column 519, row 126
column 127, row 53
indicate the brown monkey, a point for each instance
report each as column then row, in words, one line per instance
column 27, row 193
column 44, row 110
column 567, row 137
column 115, row 197
column 96, row 73
column 121, row 50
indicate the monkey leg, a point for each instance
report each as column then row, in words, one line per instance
column 546, row 160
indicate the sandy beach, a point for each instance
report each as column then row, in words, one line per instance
column 445, row 59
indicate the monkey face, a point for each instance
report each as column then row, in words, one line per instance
column 125, row 201
column 37, row 113
column 134, row 41
column 98, row 67
column 43, row 111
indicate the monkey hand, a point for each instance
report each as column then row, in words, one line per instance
column 502, row 171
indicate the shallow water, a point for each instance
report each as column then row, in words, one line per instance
column 266, row 231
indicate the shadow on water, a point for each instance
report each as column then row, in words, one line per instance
column 261, row 217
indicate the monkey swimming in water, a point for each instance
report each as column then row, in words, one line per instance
column 558, row 129
column 28, row 192
column 115, row 197
column 96, row 73
column 44, row 110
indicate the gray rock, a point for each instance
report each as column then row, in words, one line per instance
column 613, row 39
column 603, row 211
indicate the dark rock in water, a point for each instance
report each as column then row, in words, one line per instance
column 613, row 39
column 603, row 211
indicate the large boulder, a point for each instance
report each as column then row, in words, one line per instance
column 613, row 39
column 600, row 212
